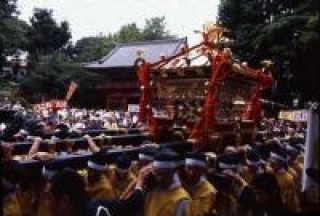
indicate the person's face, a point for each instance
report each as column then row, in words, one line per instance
column 193, row 173
column 164, row 177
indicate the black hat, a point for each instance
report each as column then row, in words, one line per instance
column 61, row 131
column 253, row 158
column 279, row 154
column 291, row 149
column 74, row 134
column 12, row 171
column 180, row 160
column 228, row 161
column 220, row 181
column 147, row 153
column 52, row 167
column 296, row 140
column 6, row 188
column 195, row 159
column 165, row 158
column 97, row 161
column 123, row 163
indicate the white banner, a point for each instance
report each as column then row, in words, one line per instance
column 133, row 108
column 311, row 158
column 294, row 115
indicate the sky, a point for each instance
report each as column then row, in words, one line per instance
column 95, row 17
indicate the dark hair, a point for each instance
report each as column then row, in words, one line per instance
column 68, row 182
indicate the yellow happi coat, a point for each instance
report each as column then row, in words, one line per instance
column 43, row 208
column 202, row 198
column 120, row 184
column 164, row 202
column 28, row 201
column 11, row 206
column 101, row 189
column 288, row 190
column 247, row 175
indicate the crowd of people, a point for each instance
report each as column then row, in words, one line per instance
column 29, row 121
column 258, row 178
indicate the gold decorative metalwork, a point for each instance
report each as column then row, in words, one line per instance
column 213, row 31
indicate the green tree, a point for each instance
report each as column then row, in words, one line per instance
column 129, row 32
column 155, row 28
column 274, row 29
column 45, row 34
column 12, row 30
column 51, row 77
column 12, row 38
column 8, row 8
column 92, row 48
column 14, row 34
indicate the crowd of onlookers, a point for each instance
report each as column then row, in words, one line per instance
column 262, row 177
column 73, row 118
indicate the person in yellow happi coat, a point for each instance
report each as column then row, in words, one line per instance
column 145, row 157
column 278, row 160
column 202, row 193
column 294, row 166
column 229, row 190
column 122, row 176
column 27, row 196
column 98, row 185
column 48, row 171
column 165, row 195
column 253, row 166
column 11, row 206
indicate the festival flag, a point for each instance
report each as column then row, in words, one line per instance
column 72, row 87
column 311, row 157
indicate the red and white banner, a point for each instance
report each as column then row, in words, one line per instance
column 72, row 87
column 53, row 104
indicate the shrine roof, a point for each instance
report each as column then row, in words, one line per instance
column 125, row 54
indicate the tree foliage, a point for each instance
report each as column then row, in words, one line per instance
column 52, row 76
column 54, row 61
column 45, row 34
column 155, row 28
column 285, row 31
column 11, row 29
column 92, row 48
column 129, row 32
column 8, row 8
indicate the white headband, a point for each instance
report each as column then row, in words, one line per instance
column 290, row 148
column 145, row 157
column 227, row 166
column 120, row 170
column 96, row 166
column 163, row 164
column 194, row 162
column 254, row 163
column 276, row 156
